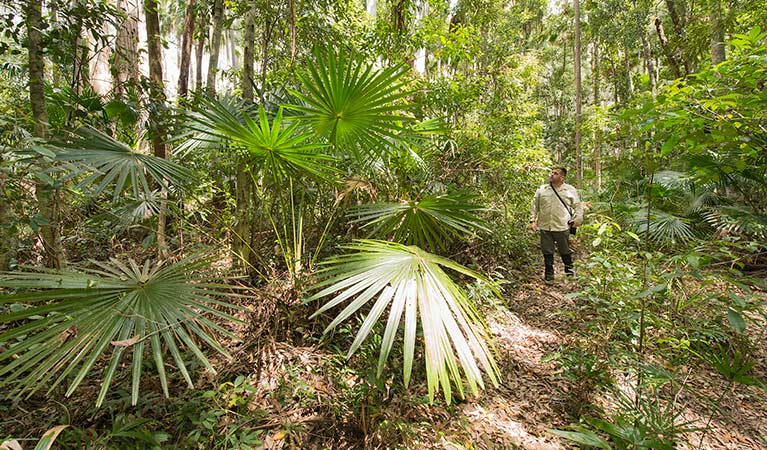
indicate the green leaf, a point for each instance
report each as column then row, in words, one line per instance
column 431, row 222
column 83, row 316
column 406, row 279
column 736, row 321
column 583, row 437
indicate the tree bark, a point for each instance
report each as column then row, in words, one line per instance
column 8, row 241
column 248, row 55
column 198, row 52
column 627, row 69
column 125, row 62
column 186, row 48
column 47, row 196
column 243, row 228
column 717, row 32
column 595, row 73
column 157, row 104
column 578, row 92
column 649, row 64
column 678, row 22
column 269, row 24
column 673, row 64
column 292, row 25
column 215, row 45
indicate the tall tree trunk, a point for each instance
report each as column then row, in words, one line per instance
column 125, row 62
column 678, row 22
column 186, row 48
column 8, row 240
column 47, row 196
column 673, row 64
column 717, row 32
column 215, row 45
column 269, row 24
column 157, row 104
column 243, row 228
column 292, row 25
column 578, row 92
column 627, row 69
column 649, row 64
column 198, row 52
column 79, row 56
column 248, row 55
column 595, row 73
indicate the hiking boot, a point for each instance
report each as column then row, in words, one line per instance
column 548, row 262
column 568, row 261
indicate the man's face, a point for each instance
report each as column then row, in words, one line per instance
column 556, row 176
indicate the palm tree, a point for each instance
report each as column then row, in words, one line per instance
column 359, row 109
column 113, row 309
column 406, row 279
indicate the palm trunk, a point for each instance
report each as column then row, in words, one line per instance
column 186, row 49
column 47, row 196
column 215, row 45
column 157, row 98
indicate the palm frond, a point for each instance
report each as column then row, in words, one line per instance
column 111, row 162
column 279, row 149
column 736, row 220
column 357, row 107
column 433, row 221
column 664, row 228
column 410, row 281
column 74, row 320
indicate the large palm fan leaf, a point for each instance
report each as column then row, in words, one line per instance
column 75, row 319
column 281, row 151
column 410, row 281
column 736, row 219
column 664, row 228
column 109, row 162
column 357, row 107
column 433, row 221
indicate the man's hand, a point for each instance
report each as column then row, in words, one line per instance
column 533, row 226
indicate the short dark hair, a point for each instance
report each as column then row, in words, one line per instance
column 562, row 169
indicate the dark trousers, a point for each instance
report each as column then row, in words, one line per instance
column 560, row 238
column 562, row 241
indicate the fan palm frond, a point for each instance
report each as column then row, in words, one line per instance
column 664, row 228
column 357, row 107
column 75, row 319
column 282, row 152
column 433, row 221
column 736, row 220
column 410, row 281
column 111, row 161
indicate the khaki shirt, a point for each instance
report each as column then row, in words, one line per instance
column 548, row 212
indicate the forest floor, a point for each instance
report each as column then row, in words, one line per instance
column 303, row 394
column 534, row 321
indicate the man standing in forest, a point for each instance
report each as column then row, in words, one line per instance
column 556, row 209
